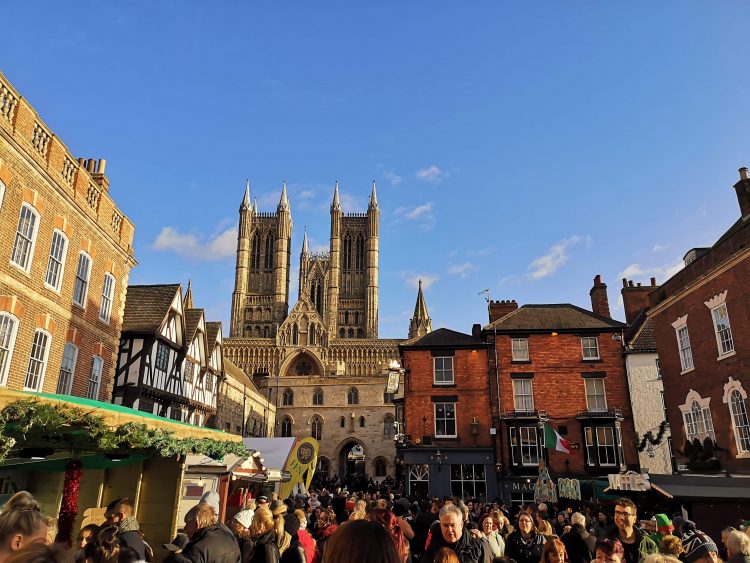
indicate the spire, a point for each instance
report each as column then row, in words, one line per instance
column 336, row 204
column 255, row 206
column 188, row 301
column 284, row 201
column 304, row 242
column 246, row 200
column 373, row 197
column 421, row 323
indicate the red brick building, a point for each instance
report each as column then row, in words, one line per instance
column 702, row 329
column 559, row 364
column 445, row 440
column 65, row 256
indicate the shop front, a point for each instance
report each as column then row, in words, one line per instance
column 467, row 473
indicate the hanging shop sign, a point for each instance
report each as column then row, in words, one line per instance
column 393, row 381
column 569, row 488
column 630, row 481
column 544, row 488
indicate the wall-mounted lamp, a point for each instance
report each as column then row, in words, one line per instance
column 474, row 426
column 439, row 457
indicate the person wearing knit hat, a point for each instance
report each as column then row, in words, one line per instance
column 212, row 499
column 245, row 517
column 664, row 527
column 699, row 548
column 277, row 507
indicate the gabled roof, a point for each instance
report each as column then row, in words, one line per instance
column 192, row 320
column 146, row 306
column 640, row 336
column 445, row 338
column 213, row 328
column 556, row 316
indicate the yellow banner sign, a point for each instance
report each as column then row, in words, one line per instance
column 300, row 465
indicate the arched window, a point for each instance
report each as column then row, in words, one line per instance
column 360, row 260
column 360, row 333
column 361, row 421
column 317, row 396
column 317, row 428
column 389, row 428
column 108, row 293
column 56, row 260
column 352, row 397
column 288, row 398
column 8, row 328
column 347, row 262
column 356, row 317
column 311, row 336
column 38, row 360
column 740, row 421
column 351, row 333
column 286, row 427
column 268, row 261
column 295, row 335
column 255, row 253
column 342, row 333
column 83, row 273
column 380, row 467
column 265, row 332
column 342, row 422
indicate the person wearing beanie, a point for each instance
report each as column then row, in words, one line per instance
column 664, row 527
column 699, row 548
column 211, row 498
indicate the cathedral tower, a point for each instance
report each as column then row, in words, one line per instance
column 260, row 301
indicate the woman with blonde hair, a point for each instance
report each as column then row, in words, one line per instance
column 263, row 534
column 360, row 511
column 21, row 523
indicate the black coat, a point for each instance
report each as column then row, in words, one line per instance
column 134, row 540
column 529, row 551
column 467, row 549
column 579, row 544
column 266, row 550
column 214, row 544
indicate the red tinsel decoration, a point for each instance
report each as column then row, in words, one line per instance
column 69, row 504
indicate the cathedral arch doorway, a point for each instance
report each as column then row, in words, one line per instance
column 352, row 458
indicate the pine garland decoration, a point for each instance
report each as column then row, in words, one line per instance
column 649, row 438
column 25, row 419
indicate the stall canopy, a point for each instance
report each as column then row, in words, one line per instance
column 703, row 487
column 274, row 454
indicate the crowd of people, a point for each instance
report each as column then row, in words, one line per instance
column 375, row 527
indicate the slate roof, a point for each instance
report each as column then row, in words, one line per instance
column 640, row 336
column 557, row 316
column 444, row 337
column 146, row 306
column 192, row 318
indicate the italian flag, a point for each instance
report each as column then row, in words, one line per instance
column 553, row 441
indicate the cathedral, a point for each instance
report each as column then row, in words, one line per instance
column 321, row 363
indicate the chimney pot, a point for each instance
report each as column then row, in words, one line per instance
column 82, row 161
column 743, row 173
column 102, row 166
column 743, row 193
column 653, row 282
column 90, row 165
column 624, row 282
column 639, row 284
column 630, row 283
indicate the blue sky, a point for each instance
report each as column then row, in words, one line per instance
column 520, row 147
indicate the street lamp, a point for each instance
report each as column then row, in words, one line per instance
column 439, row 457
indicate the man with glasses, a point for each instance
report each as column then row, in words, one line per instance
column 636, row 543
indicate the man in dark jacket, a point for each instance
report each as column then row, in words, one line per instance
column 128, row 529
column 212, row 543
column 636, row 543
column 451, row 534
column 580, row 545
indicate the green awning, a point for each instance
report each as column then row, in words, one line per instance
column 93, row 461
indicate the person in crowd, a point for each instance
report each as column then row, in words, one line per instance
column 211, row 542
column 388, row 520
column 502, row 524
column 525, row 544
column 359, row 512
column 129, row 531
column 175, row 547
column 305, row 538
column 453, row 536
column 338, row 503
column 698, row 546
column 361, row 541
column 295, row 553
column 634, row 541
column 491, row 535
column 723, row 545
column 663, row 527
column 609, row 551
column 738, row 547
column 579, row 544
column 421, row 526
column 85, row 536
column 325, row 528
column 283, row 539
column 106, row 547
column 40, row 553
column 660, row 558
column 446, row 555
column 603, row 526
column 262, row 534
column 560, row 523
column 399, row 511
column 671, row 545
column 240, row 527
column 545, row 528
column 554, row 552
column 21, row 524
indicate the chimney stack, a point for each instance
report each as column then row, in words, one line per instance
column 498, row 309
column 96, row 169
column 635, row 298
column 743, row 193
column 599, row 300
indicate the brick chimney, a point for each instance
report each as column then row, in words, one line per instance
column 498, row 309
column 635, row 298
column 96, row 169
column 743, row 193
column 599, row 300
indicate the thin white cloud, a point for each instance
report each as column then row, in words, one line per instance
column 486, row 251
column 462, row 270
column 306, row 194
column 421, row 214
column 432, row 174
column 391, row 177
column 412, row 279
column 659, row 248
column 555, row 258
column 661, row 273
column 197, row 247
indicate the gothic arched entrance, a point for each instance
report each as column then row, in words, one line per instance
column 352, row 459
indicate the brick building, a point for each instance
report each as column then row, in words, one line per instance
column 702, row 328
column 445, row 440
column 559, row 364
column 65, row 256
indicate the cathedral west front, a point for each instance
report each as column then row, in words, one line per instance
column 321, row 362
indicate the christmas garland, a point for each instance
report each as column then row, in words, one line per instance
column 649, row 438
column 20, row 419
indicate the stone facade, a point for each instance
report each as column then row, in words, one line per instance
column 241, row 408
column 66, row 254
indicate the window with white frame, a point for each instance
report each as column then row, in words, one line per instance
column 525, row 445
column 56, row 262
column 443, row 369
column 83, row 273
column 95, row 381
column 8, row 328
column 596, row 397
column 445, row 420
column 590, row 347
column 723, row 331
column 683, row 343
column 37, row 361
column 738, row 410
column 520, row 349
column 523, row 395
column 108, row 291
column 67, row 369
column 601, row 446
column 23, row 247
column 696, row 414
column 467, row 480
